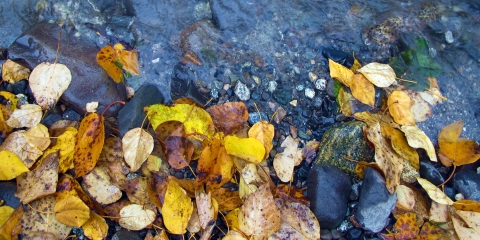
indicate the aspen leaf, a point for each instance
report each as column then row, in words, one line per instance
column 10, row 166
column 9, row 227
column 399, row 104
column 107, row 59
column 227, row 200
column 400, row 145
column 178, row 149
column 38, row 136
column 100, row 187
column 288, row 193
column 4, row 115
column 39, row 182
column 300, row 218
column 128, row 59
column 406, row 226
column 340, row 73
column 13, row 72
column 135, row 217
column 234, row 235
column 95, row 227
column 405, row 198
column 48, row 82
column 28, row 116
column 463, row 232
column 420, row 109
column 356, row 65
column 221, row 172
column 193, row 225
column 471, row 218
column 467, row 205
column 72, row 211
column 434, row 193
column 363, row 90
column 261, row 217
column 264, row 132
column 250, row 174
column 17, row 144
column 433, row 96
column 249, row 149
column 208, row 158
column 186, row 184
column 381, row 75
column 345, row 102
column 5, row 213
column 113, row 210
column 90, row 139
column 137, row 145
column 416, row 138
column 65, row 146
column 460, row 151
column 438, row 212
column 284, row 162
column 136, row 189
column 229, row 117
column 232, row 218
column 205, row 208
column 287, row 232
column 67, row 185
column 176, row 209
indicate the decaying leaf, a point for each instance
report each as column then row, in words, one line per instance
column 458, row 150
column 400, row 145
column 399, row 104
column 48, row 82
column 434, row 193
column 65, row 145
column 13, row 72
column 137, row 145
column 71, row 211
column 90, row 139
column 250, row 174
column 433, row 96
column 471, row 218
column 249, row 149
column 405, row 198
column 229, row 117
column 438, row 212
column 363, row 90
column 206, row 209
column 467, row 205
column 234, row 235
column 292, row 194
column 345, row 102
column 300, row 218
column 178, row 149
column 137, row 191
column 418, row 139
column 381, row 75
column 420, row 109
column 340, row 73
column 284, row 162
column 263, row 131
column 17, row 144
column 4, row 115
column 406, row 226
column 67, row 185
column 176, row 209
column 99, row 186
column 95, row 227
column 462, row 231
column 135, row 217
column 193, row 225
column 5, row 213
column 28, row 116
column 9, row 229
column 227, row 200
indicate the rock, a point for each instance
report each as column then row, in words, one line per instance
column 7, row 194
column 3, row 53
column 242, row 91
column 199, row 43
column 90, row 82
column 344, row 140
column 18, row 87
column 376, row 203
column 336, row 234
column 354, row 233
column 325, row 234
column 254, row 117
column 70, row 114
column 182, row 85
column 235, row 18
column 50, row 119
column 309, row 93
column 328, row 192
column 132, row 115
column 344, row 58
column 468, row 183
column 429, row 172
column 19, row 15
column 282, row 96
column 126, row 234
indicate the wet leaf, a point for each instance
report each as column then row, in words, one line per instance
column 284, row 162
column 113, row 210
column 400, row 145
column 205, row 208
column 399, row 104
column 340, row 73
column 95, row 227
column 381, row 75
column 300, row 218
column 229, row 117
column 107, row 59
column 176, row 209
column 178, row 149
column 406, row 226
column 71, row 211
column 65, row 146
column 5, row 213
column 17, row 144
column 356, row 65
column 433, row 95
column 287, row 232
column 135, row 217
column 471, row 218
column 416, row 138
column 430, row 231
column 48, row 82
column 137, row 191
column 10, row 166
column 363, row 90
column 434, row 193
column 345, row 99
column 249, row 149
column 128, row 59
column 462, row 231
column 264, row 132
column 100, row 187
column 292, row 194
column 420, row 109
column 405, row 198
column 28, row 116
column 9, row 227
column 38, row 136
column 467, row 205
column 13, row 72
column 137, row 145
column 221, row 171
column 39, row 182
column 157, row 189
column 90, row 139
column 227, row 200
column 460, row 151
column 4, row 115
column 67, row 185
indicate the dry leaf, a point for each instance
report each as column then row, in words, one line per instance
column 4, row 115
column 176, row 209
column 433, row 96
column 65, row 146
column 340, row 73
column 38, row 136
column 234, row 235
column 90, row 139
column 135, row 217
column 363, row 90
column 250, row 174
column 99, row 186
column 292, row 194
column 229, row 117
column 400, row 145
column 95, row 227
column 399, row 104
column 356, row 65
column 178, row 149
column 39, row 182
column 205, row 208
column 67, row 185
column 71, row 211
column 232, row 218
column 287, row 232
column 418, row 139
column 10, row 166
column 137, row 191
column 284, row 162
column 434, row 193
column 215, row 166
column 471, row 218
column 227, row 200
column 264, row 132
column 17, row 144
column 463, row 232
column 249, row 149
column 48, row 82
column 193, row 225
column 406, row 226
column 420, row 109
column 137, row 145
column 460, row 151
column 438, row 212
column 9, row 228
column 405, row 198
column 467, row 205
column 107, row 59
column 28, row 116
column 381, row 75
column 5, row 213
column 13, row 72
column 300, row 218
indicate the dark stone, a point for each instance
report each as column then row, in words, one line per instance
column 353, row 234
column 18, row 87
column 125, row 234
column 312, row 124
column 336, row 234
column 328, row 192
column 331, row 88
column 327, row 121
column 429, row 172
column 450, row 192
column 282, row 96
column 325, row 234
column 70, row 114
column 182, row 85
column 3, row 53
column 376, row 203
column 253, row 117
column 235, row 18
column 468, row 184
column 90, row 83
column 307, row 113
column 344, row 58
column 50, row 119
column 265, row 96
column 7, row 194
column 132, row 115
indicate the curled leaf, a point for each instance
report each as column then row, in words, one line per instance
column 363, row 90
column 13, row 72
column 418, row 139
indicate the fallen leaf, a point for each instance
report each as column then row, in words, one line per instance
column 229, row 117
column 65, row 146
column 467, row 205
column 405, row 198
column 340, row 73
column 176, row 209
column 309, row 151
column 113, row 210
column 67, row 185
column 434, row 193
column 135, row 217
column 28, row 116
column 107, row 59
column 157, row 189
column 462, row 231
column 209, row 158
column 137, row 145
column 39, row 182
column 460, row 151
column 90, row 139
column 99, row 186
column 356, row 65
column 288, row 193
column 5, row 213
column 406, row 227
column 400, row 145
column 234, row 235
column 193, row 225
column 95, row 227
column 438, row 212
column 431, row 231
column 284, row 162
column 433, row 96
column 249, row 149
column 232, row 218
column 205, row 208
column 9, row 227
column 128, row 58
column 471, row 218
column 227, row 200
column 137, row 191
column 48, row 82
column 178, row 149
column 11, row 166
column 38, row 136
column 381, row 75
column 345, row 99
column 4, row 115
column 264, row 132
column 71, row 211
column 300, row 218
column 399, row 104
column 420, row 109
column 222, row 171
column 13, row 72
column 287, row 232
column 17, row 144
column 261, row 217
column 250, row 175
column 416, row 138
column 363, row 90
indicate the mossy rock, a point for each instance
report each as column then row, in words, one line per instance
column 344, row 141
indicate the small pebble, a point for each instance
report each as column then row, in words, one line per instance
column 321, row 84
column 272, row 86
column 336, row 234
column 325, row 234
column 242, row 91
column 300, row 87
column 257, row 79
column 353, row 233
column 294, row 103
column 313, row 77
column 309, row 93
column 449, row 37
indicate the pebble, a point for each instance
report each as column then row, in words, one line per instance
column 257, row 80
column 294, row 102
column 326, row 234
column 70, row 114
column 317, row 102
column 321, row 84
column 309, row 93
column 313, row 77
column 18, row 87
column 272, row 86
column 353, row 234
column 330, row 90
column 300, row 87
column 336, row 234
column 468, row 183
column 242, row 91
column 253, row 117
column 449, row 37
column 429, row 172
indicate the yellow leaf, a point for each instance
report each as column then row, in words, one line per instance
column 434, row 193
column 137, row 145
column 340, row 73
column 227, row 200
column 420, row 109
column 95, row 227
column 249, row 149
column 176, row 209
column 107, row 59
column 48, row 82
column 5, row 213
column 72, row 211
column 9, row 227
column 135, row 217
column 195, row 119
column 416, row 138
column 90, row 139
column 67, row 185
column 234, row 235
column 399, row 104
column 65, row 146
column 460, row 151
column 463, row 232
column 13, row 72
column 17, row 144
column 471, row 218
column 356, row 65
column 363, row 90
column 400, row 145
column 232, row 218
column 10, row 166
column 128, row 59
column 381, row 75
column 345, row 102
column 264, row 132
column 100, row 186
column 4, row 114
column 250, row 174
column 28, row 116
column 38, row 136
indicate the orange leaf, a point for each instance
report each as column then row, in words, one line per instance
column 96, row 227
column 460, row 151
column 362, row 89
column 292, row 194
column 227, row 200
column 129, row 59
column 263, row 131
column 215, row 166
column 90, row 139
column 107, row 59
column 399, row 104
column 229, row 117
column 467, row 205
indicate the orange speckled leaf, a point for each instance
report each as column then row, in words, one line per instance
column 406, row 226
column 467, row 205
column 107, row 59
column 433, row 232
column 229, row 117
column 128, row 58
column 460, row 151
column 90, row 139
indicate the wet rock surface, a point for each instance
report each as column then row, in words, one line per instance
column 7, row 194
column 468, row 183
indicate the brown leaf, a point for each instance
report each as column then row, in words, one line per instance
column 137, row 191
column 90, row 139
column 299, row 217
column 156, row 190
column 405, row 198
column 292, row 194
column 99, row 186
column 406, row 226
column 227, row 200
column 229, row 117
column 460, row 151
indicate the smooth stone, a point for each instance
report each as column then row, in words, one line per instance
column 344, row 58
column 376, row 203
column 126, row 234
column 328, row 192
column 50, row 119
column 236, row 18
column 18, row 87
column 90, row 83
column 182, row 85
column 70, row 114
column 325, row 234
column 468, row 183
column 353, row 234
column 429, row 172
column 336, row 234
column 132, row 115
column 7, row 194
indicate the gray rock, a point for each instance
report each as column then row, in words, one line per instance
column 132, row 115
column 468, row 183
column 376, row 203
column 90, row 83
column 236, row 18
column 325, row 234
column 7, row 194
column 328, row 192
column 254, row 117
column 242, row 91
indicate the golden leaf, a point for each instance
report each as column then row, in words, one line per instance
column 381, row 75
column 340, row 73
column 95, row 227
column 48, row 82
column 13, row 72
column 363, row 90
column 11, row 166
column 176, row 209
column 90, row 140
column 72, row 211
column 460, row 151
column 434, row 193
column 264, row 132
column 249, row 149
column 399, row 104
